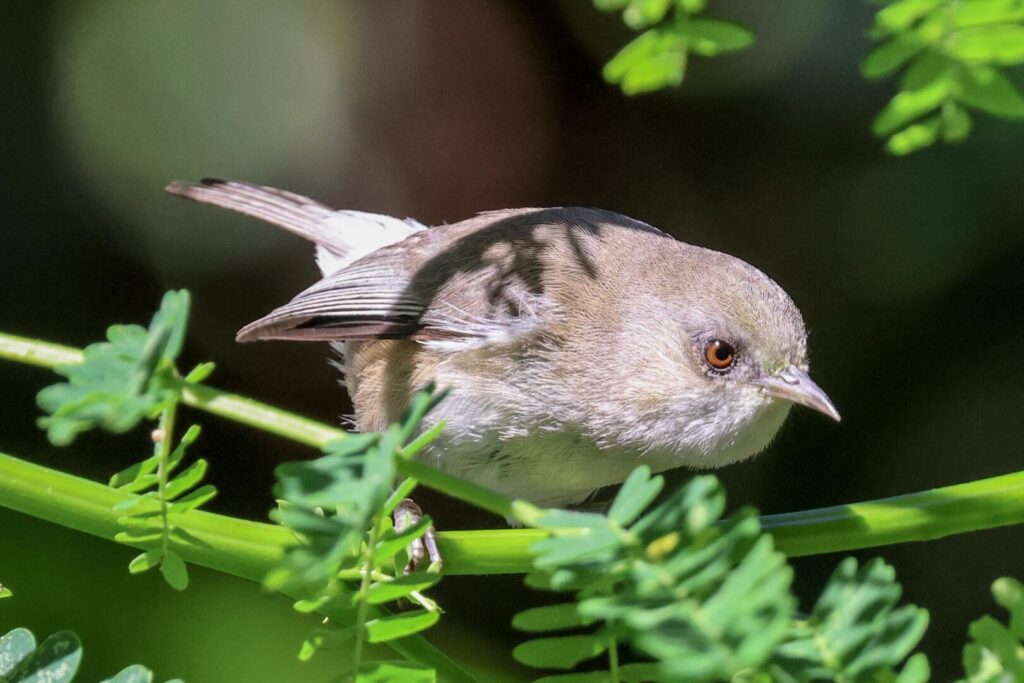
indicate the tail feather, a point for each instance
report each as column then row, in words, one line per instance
column 342, row 237
column 293, row 212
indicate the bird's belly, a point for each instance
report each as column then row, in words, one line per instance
column 558, row 467
column 550, row 469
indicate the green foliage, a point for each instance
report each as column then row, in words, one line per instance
column 693, row 597
column 339, row 506
column 152, row 514
column 996, row 651
column 130, row 377
column 5, row 592
column 56, row 660
column 707, row 599
column 952, row 51
column 672, row 30
column 122, row 380
column 855, row 631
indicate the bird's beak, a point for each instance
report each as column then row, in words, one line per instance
column 793, row 384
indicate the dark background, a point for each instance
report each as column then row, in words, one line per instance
column 908, row 271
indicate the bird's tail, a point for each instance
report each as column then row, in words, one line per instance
column 341, row 236
column 287, row 210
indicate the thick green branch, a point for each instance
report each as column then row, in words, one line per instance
column 983, row 504
column 227, row 544
column 924, row 516
column 261, row 416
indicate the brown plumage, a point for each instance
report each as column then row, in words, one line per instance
column 574, row 340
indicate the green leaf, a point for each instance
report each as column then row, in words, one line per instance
column 174, row 571
column 707, row 599
column 855, row 631
column 55, row 661
column 916, row 670
column 324, row 639
column 978, row 12
column 387, row 591
column 186, row 480
column 195, row 499
column 120, row 381
column 200, row 372
column 654, row 60
column 561, row 652
column 136, row 673
column 5, row 592
column 131, row 475
column 1009, row 593
column 15, row 646
column 145, row 561
column 927, row 69
column 995, row 44
column 657, row 58
column 395, row 672
column 909, row 105
column 637, row 492
column 897, row 17
column 996, row 652
column 549, row 618
column 138, row 536
column 331, row 502
column 956, row 122
column 987, row 89
column 639, row 14
column 891, row 55
column 915, row 137
column 178, row 454
column 399, row 625
column 710, row 37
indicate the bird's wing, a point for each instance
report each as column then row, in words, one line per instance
column 454, row 287
column 368, row 300
column 466, row 285
column 342, row 237
column 379, row 297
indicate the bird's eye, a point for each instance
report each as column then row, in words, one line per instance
column 719, row 354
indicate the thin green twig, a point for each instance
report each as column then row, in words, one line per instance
column 163, row 453
column 362, row 597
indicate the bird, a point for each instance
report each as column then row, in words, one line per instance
column 576, row 343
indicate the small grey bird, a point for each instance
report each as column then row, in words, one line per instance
column 577, row 343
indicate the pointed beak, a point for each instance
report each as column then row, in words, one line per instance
column 793, row 384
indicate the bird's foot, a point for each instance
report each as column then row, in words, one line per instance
column 408, row 514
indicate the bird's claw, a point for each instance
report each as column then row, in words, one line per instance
column 408, row 514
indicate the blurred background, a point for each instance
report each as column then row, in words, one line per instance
column 908, row 271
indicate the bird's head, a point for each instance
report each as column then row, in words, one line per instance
column 718, row 356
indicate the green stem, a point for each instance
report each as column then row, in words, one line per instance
column 39, row 353
column 362, row 601
column 163, row 453
column 265, row 417
column 923, row 516
column 234, row 546
column 982, row 504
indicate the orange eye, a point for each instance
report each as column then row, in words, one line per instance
column 719, row 354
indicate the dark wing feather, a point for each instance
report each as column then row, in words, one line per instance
column 368, row 300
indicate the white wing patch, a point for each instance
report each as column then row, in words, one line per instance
column 363, row 234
